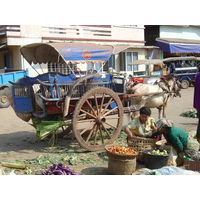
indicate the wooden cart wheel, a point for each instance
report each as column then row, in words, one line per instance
column 98, row 118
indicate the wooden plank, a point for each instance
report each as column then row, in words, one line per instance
column 137, row 95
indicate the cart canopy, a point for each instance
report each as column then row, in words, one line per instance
column 171, row 59
column 66, row 53
column 147, row 62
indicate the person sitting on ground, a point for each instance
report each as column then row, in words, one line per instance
column 184, row 145
column 141, row 125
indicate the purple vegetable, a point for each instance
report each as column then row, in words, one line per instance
column 58, row 172
column 60, row 169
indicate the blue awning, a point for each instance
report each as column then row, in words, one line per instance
column 178, row 45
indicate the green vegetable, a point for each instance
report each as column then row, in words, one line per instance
column 191, row 114
column 158, row 152
column 48, row 126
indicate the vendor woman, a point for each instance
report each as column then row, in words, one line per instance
column 184, row 144
column 141, row 125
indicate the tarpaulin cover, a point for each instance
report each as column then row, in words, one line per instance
column 66, row 53
column 147, row 62
column 178, row 47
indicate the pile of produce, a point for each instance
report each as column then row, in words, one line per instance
column 121, row 150
column 60, row 169
column 190, row 113
column 158, row 152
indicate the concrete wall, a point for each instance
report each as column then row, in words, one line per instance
column 183, row 32
column 129, row 33
column 16, row 57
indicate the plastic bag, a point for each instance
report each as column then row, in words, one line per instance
column 2, row 172
column 171, row 170
column 172, row 157
column 192, row 133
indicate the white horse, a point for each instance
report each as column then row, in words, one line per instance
column 169, row 87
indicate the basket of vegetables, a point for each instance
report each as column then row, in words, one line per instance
column 122, row 160
column 155, row 158
column 193, row 163
column 140, row 144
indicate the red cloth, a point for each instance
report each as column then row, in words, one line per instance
column 158, row 137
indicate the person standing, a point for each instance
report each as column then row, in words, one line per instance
column 196, row 102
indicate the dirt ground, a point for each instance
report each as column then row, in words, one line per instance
column 18, row 139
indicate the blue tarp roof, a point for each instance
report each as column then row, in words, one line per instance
column 66, row 52
column 178, row 45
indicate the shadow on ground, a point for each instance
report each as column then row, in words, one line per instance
column 95, row 171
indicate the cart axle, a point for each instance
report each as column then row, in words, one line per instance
column 100, row 119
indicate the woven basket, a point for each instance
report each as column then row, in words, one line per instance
column 192, row 165
column 121, row 167
column 120, row 164
column 140, row 144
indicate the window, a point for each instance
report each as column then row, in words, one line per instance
column 129, row 59
column 60, row 68
column 95, row 66
column 126, row 58
column 135, row 57
column 109, row 63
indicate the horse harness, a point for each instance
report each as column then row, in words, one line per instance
column 164, row 85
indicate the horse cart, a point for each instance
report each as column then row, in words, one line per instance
column 87, row 102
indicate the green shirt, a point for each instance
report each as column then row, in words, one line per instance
column 177, row 137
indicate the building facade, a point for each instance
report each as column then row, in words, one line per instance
column 174, row 40
column 12, row 37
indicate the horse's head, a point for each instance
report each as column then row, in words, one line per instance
column 174, row 85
